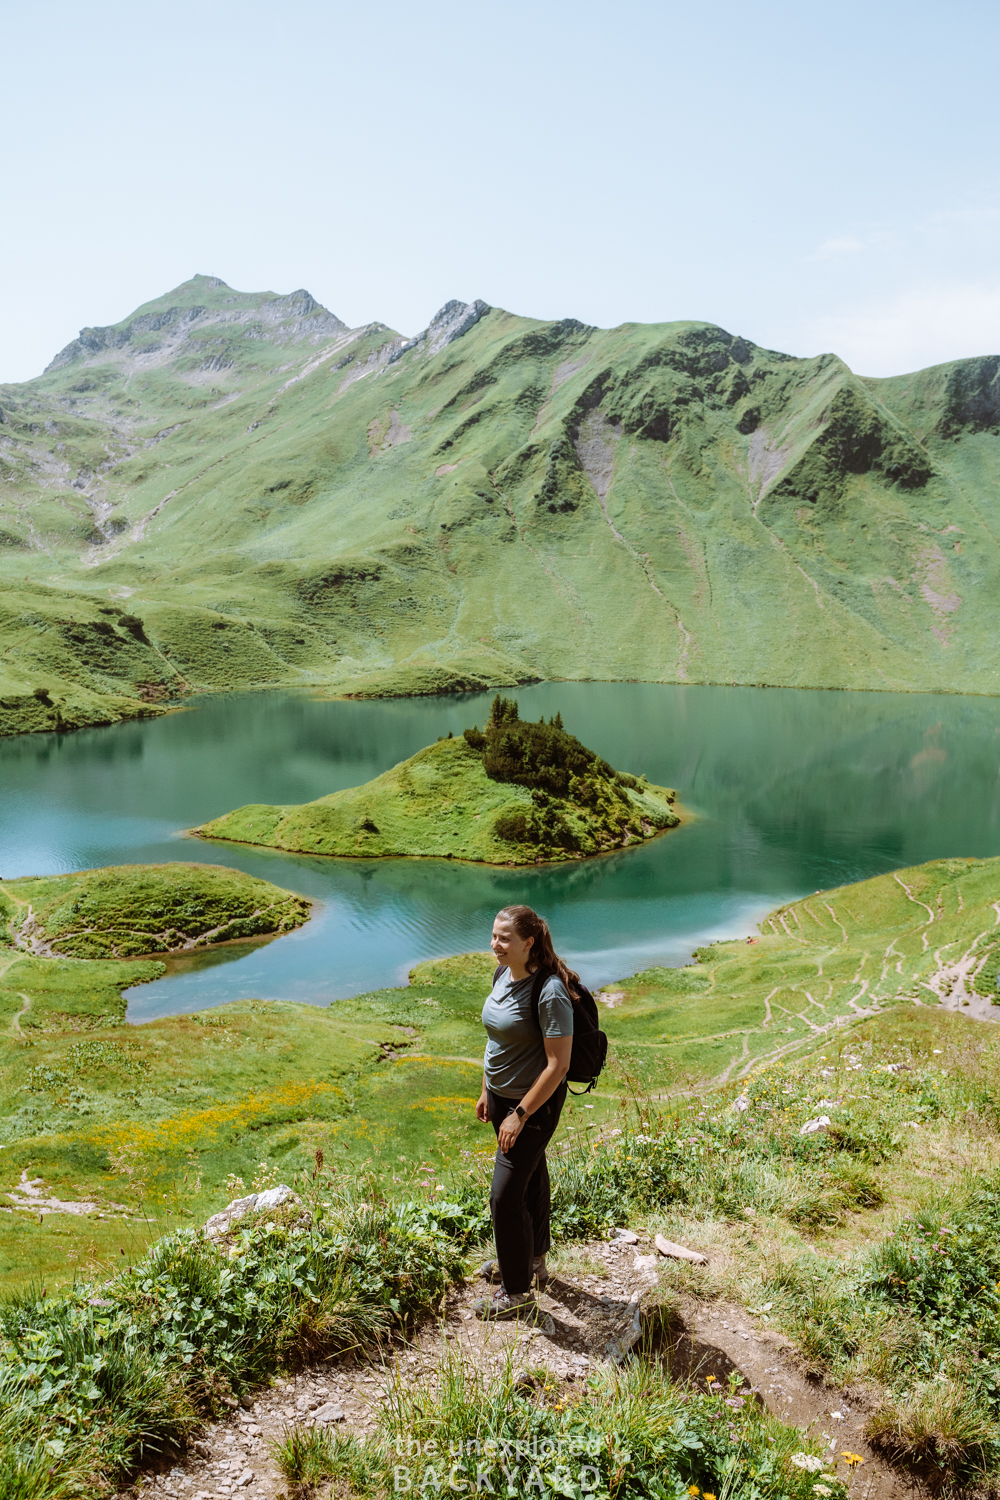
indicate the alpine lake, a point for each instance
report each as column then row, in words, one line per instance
column 785, row 792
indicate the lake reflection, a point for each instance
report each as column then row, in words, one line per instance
column 793, row 791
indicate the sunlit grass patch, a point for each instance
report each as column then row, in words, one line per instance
column 305, row 1456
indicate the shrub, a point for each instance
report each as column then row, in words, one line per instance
column 511, row 824
column 541, row 756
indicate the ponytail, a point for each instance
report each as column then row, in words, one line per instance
column 528, row 924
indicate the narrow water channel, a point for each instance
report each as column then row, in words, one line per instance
column 791, row 790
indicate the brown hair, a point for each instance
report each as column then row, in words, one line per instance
column 528, row 924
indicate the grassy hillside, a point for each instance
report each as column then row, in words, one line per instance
column 514, row 794
column 388, row 1080
column 871, row 1238
column 230, row 489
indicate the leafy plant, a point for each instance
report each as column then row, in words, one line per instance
column 123, row 1370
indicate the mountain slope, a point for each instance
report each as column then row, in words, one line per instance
column 230, row 489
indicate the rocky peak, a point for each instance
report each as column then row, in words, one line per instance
column 448, row 324
column 452, row 320
column 281, row 320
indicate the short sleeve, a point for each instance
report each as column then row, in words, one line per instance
column 555, row 1009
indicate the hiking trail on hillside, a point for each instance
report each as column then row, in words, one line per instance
column 602, row 1312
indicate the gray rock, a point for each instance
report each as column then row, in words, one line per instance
column 220, row 1224
column 625, row 1236
column 812, row 1126
column 448, row 324
column 331, row 1412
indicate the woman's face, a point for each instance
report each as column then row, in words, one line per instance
column 508, row 948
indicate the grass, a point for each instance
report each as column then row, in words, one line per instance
column 873, row 1243
column 113, row 1374
column 662, row 502
column 918, row 936
column 386, row 1082
column 305, row 1456
column 447, row 800
column 629, row 1432
column 124, row 911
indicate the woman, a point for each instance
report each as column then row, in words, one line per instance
column 524, row 1085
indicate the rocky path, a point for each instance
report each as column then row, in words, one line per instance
column 601, row 1301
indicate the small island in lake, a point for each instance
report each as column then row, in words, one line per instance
column 514, row 793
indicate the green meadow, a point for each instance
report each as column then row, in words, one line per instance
column 815, row 1109
column 385, row 1083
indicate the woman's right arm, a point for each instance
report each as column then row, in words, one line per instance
column 483, row 1104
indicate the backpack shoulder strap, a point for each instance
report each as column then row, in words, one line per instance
column 498, row 971
column 536, row 992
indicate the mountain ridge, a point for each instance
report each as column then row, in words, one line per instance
column 280, row 499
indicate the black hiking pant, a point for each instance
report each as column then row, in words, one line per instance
column 519, row 1197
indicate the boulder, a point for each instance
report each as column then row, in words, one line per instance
column 221, row 1224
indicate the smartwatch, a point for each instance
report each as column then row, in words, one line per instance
column 522, row 1114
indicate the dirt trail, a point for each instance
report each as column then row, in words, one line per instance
column 16, row 1023
column 587, row 1318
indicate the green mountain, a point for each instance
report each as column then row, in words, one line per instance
column 232, row 489
column 516, row 794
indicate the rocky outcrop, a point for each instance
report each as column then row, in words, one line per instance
column 448, row 324
column 220, row 1225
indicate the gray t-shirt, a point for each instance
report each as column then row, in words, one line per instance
column 515, row 1053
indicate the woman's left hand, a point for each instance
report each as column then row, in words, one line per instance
column 509, row 1131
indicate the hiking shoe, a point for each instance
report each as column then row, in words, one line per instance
column 505, row 1304
column 490, row 1271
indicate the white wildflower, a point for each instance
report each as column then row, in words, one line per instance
column 807, row 1461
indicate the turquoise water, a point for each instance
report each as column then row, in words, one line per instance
column 793, row 791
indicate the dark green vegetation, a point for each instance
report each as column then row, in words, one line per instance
column 517, row 793
column 230, row 489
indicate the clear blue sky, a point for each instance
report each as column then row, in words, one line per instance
column 813, row 176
